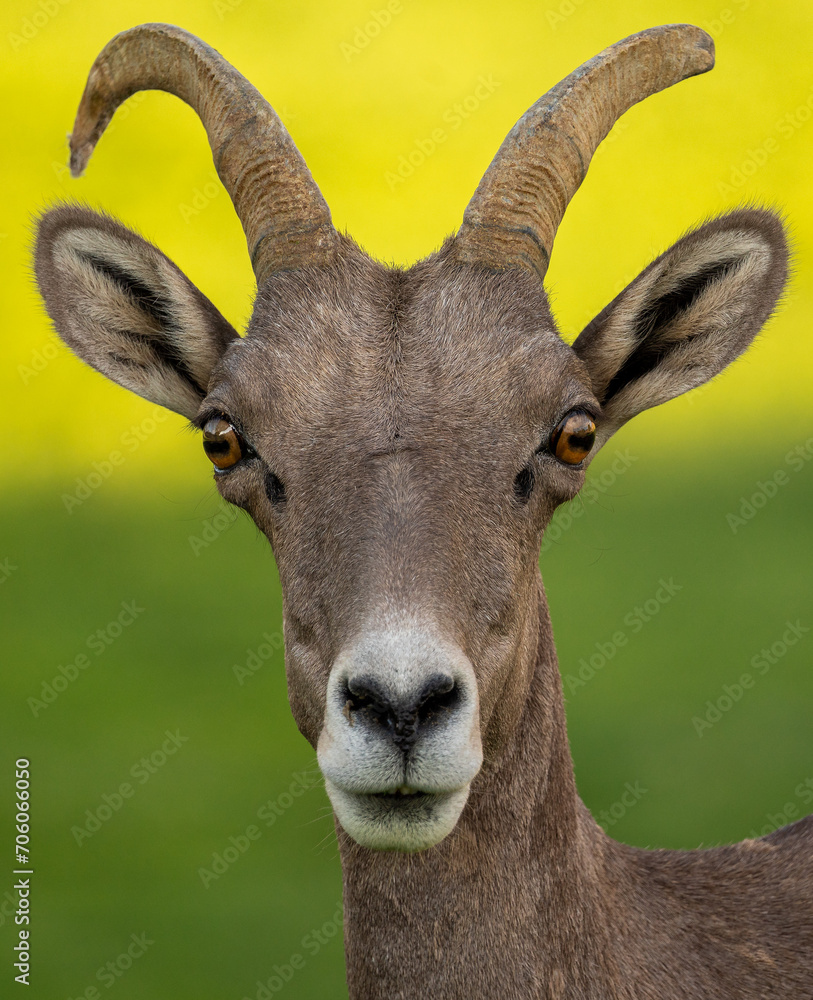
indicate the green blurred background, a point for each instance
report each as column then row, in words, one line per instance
column 357, row 96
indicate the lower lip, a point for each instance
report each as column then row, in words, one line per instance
column 394, row 821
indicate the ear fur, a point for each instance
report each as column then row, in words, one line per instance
column 686, row 316
column 126, row 309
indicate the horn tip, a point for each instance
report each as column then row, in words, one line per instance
column 705, row 43
column 79, row 158
column 698, row 41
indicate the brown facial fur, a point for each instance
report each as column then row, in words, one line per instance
column 398, row 434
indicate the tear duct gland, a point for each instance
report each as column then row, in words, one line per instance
column 403, row 439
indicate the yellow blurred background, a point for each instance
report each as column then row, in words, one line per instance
column 362, row 85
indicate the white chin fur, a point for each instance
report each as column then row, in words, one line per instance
column 408, row 823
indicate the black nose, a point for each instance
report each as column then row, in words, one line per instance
column 402, row 719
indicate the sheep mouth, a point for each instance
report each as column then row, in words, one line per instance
column 400, row 819
column 403, row 798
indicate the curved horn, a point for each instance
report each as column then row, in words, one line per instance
column 512, row 219
column 285, row 218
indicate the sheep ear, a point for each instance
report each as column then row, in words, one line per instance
column 126, row 309
column 686, row 316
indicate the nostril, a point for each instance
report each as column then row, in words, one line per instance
column 364, row 695
column 440, row 695
column 403, row 719
column 365, row 692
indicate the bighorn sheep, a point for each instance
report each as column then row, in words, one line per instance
column 403, row 438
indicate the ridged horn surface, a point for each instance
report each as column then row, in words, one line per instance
column 284, row 216
column 512, row 219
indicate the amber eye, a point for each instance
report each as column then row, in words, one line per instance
column 574, row 437
column 222, row 443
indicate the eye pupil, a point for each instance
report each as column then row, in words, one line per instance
column 573, row 437
column 222, row 444
column 218, row 447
